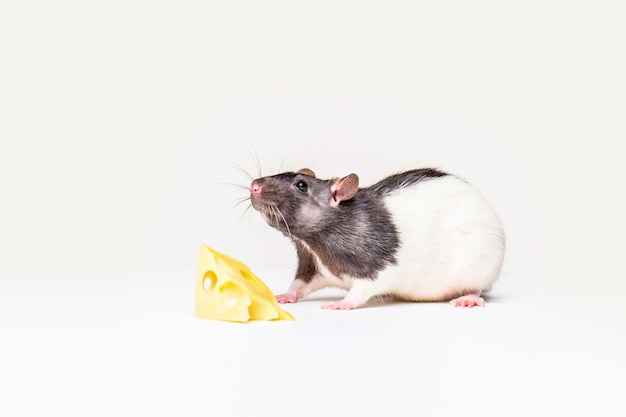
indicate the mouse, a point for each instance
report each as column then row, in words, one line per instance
column 421, row 235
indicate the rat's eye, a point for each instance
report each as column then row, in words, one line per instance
column 302, row 186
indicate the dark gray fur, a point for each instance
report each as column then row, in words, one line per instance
column 357, row 238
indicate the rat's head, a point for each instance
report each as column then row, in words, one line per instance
column 297, row 203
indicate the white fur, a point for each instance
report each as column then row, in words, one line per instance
column 451, row 243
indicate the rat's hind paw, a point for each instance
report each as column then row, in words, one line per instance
column 469, row 300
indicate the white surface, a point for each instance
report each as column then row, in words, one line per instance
column 130, row 345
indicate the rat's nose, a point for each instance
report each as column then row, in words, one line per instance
column 255, row 188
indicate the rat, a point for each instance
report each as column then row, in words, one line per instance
column 418, row 235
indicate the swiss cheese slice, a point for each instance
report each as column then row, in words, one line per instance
column 226, row 289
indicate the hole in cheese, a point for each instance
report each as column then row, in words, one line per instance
column 230, row 295
column 209, row 280
column 250, row 278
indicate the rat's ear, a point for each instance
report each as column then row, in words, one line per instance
column 344, row 189
column 307, row 171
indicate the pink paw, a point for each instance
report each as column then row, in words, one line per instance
column 339, row 305
column 470, row 300
column 287, row 298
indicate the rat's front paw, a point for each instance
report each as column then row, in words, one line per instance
column 340, row 305
column 287, row 298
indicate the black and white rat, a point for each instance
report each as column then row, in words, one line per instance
column 419, row 235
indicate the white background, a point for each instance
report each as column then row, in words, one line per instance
column 120, row 124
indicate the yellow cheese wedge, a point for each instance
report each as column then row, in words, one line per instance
column 226, row 289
